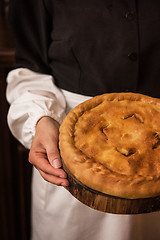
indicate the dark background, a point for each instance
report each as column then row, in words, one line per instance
column 15, row 170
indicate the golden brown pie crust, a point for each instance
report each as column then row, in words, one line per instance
column 111, row 143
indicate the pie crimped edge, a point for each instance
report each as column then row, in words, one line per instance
column 123, row 170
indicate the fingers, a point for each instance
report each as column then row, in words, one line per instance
column 41, row 162
column 55, row 180
column 50, row 174
column 38, row 157
column 44, row 152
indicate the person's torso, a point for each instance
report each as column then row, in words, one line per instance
column 105, row 46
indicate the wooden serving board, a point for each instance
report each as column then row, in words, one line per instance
column 107, row 203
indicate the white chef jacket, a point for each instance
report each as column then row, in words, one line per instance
column 56, row 214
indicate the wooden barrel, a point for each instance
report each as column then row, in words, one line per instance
column 107, row 203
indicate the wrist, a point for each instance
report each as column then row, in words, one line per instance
column 46, row 120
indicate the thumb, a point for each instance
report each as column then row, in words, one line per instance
column 54, row 156
column 56, row 163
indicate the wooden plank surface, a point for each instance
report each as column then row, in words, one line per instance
column 107, row 203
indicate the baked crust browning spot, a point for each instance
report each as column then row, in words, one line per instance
column 111, row 143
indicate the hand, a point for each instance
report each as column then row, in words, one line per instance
column 44, row 153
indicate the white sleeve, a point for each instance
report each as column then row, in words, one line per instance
column 32, row 95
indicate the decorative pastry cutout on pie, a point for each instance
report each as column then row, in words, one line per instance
column 111, row 144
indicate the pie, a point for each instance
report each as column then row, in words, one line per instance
column 111, row 144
